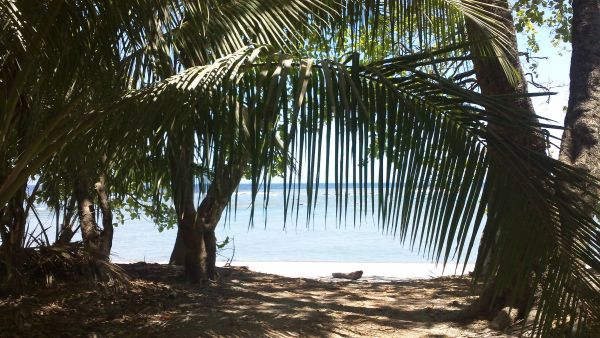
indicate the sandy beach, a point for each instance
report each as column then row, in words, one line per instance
column 371, row 271
column 245, row 303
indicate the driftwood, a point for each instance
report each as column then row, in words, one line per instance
column 351, row 275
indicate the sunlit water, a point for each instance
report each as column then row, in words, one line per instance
column 324, row 239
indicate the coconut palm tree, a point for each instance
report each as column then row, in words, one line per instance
column 196, row 83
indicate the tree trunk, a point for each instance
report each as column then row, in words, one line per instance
column 97, row 240
column 580, row 146
column 195, row 252
column 210, row 245
column 66, row 228
column 14, row 219
column 106, row 236
column 494, row 81
column 180, row 153
column 178, row 253
column 16, row 235
column 196, row 243
column 90, row 232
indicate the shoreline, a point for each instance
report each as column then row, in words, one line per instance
column 323, row 270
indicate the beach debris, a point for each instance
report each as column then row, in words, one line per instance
column 351, row 275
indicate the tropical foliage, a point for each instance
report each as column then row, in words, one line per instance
column 259, row 88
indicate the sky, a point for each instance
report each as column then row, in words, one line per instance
column 553, row 73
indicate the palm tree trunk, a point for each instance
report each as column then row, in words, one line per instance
column 493, row 80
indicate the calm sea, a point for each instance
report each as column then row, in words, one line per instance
column 323, row 239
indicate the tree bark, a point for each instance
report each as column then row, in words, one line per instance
column 17, row 224
column 196, row 244
column 95, row 239
column 106, row 236
column 66, row 229
column 580, row 146
column 224, row 183
column 90, row 232
column 14, row 218
column 180, row 152
column 494, row 81
column 178, row 253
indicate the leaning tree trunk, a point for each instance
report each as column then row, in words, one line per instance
column 226, row 180
column 494, row 81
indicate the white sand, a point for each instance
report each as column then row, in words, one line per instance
column 323, row 270
column 371, row 271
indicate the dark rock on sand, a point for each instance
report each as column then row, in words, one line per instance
column 352, row 275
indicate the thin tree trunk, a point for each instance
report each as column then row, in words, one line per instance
column 493, row 80
column 4, row 225
column 66, row 228
column 226, row 180
column 106, row 236
column 89, row 228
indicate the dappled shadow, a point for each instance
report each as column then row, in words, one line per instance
column 242, row 304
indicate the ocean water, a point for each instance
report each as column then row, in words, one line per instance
column 269, row 239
